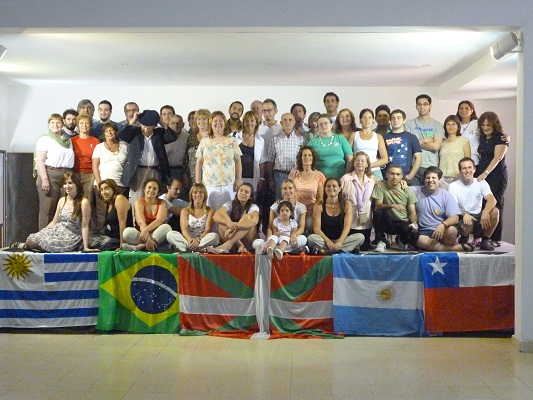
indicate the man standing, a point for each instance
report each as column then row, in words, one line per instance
column 267, row 130
column 236, row 109
column 176, row 150
column 174, row 204
column 395, row 210
column 430, row 134
column 69, row 122
column 403, row 147
column 469, row 193
column 166, row 112
column 299, row 111
column 331, row 103
column 130, row 109
column 147, row 157
column 282, row 153
column 86, row 107
column 438, row 214
column 257, row 108
column 105, row 110
column 382, row 119
column 193, row 128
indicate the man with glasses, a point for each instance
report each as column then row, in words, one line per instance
column 430, row 134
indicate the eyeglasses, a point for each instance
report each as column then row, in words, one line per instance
column 423, row 104
column 268, row 110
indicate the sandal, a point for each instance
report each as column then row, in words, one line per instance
column 496, row 243
column 15, row 245
column 467, row 247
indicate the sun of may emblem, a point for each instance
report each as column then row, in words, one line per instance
column 386, row 294
column 17, row 266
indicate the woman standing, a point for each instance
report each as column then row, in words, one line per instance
column 492, row 167
column 218, row 162
column 84, row 145
column 150, row 214
column 117, row 217
column 454, row 147
column 357, row 187
column 345, row 125
column 237, row 222
column 54, row 156
column 69, row 230
column 334, row 151
column 371, row 143
column 201, row 126
column 469, row 129
column 308, row 181
column 251, row 145
column 331, row 222
column 297, row 238
column 196, row 222
column 107, row 163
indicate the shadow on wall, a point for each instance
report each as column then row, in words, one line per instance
column 22, row 205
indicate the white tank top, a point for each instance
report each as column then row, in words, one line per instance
column 369, row 146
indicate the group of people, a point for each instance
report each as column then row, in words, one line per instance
column 254, row 183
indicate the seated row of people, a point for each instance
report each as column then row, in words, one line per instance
column 427, row 217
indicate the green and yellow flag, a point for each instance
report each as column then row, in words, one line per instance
column 138, row 292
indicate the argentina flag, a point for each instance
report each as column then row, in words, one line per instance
column 48, row 290
column 378, row 295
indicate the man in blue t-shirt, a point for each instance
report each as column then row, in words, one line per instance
column 403, row 147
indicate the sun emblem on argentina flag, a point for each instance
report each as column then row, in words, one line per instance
column 386, row 293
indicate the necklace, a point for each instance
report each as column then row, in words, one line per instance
column 326, row 145
column 332, row 205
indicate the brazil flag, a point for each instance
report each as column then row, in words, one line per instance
column 138, row 292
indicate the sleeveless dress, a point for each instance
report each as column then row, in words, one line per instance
column 62, row 237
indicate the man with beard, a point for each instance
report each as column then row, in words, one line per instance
column 235, row 110
column 104, row 112
column 69, row 122
column 193, row 127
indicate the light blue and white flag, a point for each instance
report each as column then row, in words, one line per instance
column 48, row 290
column 378, row 295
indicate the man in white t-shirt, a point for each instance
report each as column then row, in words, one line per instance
column 469, row 193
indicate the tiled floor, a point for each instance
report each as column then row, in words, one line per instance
column 128, row 366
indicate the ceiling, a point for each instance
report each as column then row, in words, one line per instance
column 455, row 60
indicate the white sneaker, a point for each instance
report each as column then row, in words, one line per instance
column 260, row 249
column 381, row 247
column 128, row 247
column 278, row 253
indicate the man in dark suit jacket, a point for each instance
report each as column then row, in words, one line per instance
column 147, row 157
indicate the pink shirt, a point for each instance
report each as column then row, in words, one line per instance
column 307, row 190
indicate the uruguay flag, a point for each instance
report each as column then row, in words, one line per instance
column 378, row 295
column 48, row 290
column 468, row 292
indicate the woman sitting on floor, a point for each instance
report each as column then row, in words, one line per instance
column 331, row 223
column 237, row 222
column 196, row 222
column 150, row 214
column 69, row 230
column 117, row 217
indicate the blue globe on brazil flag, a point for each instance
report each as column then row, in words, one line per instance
column 154, row 289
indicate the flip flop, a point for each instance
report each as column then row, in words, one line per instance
column 496, row 243
column 214, row 250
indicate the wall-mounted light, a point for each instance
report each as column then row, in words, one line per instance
column 2, row 51
column 505, row 46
